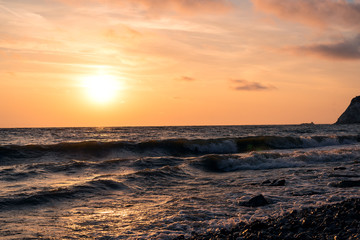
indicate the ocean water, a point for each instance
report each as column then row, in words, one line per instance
column 162, row 182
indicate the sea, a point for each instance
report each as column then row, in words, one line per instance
column 164, row 182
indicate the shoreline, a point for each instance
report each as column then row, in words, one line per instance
column 330, row 221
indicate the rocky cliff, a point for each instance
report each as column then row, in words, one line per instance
column 352, row 113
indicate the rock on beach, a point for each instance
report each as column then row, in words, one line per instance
column 257, row 201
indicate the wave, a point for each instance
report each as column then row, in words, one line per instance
column 273, row 160
column 170, row 147
column 104, row 184
column 90, row 188
column 24, row 171
column 164, row 174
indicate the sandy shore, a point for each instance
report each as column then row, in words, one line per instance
column 337, row 221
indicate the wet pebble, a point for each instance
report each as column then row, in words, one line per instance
column 337, row 221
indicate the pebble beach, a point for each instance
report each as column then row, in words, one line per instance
column 333, row 221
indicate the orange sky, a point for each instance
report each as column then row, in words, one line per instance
column 177, row 62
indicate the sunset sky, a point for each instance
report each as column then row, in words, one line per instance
column 177, row 62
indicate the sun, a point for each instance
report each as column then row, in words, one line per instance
column 101, row 88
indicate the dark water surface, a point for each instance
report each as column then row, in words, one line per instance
column 161, row 182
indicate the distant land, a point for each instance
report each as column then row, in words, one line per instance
column 352, row 113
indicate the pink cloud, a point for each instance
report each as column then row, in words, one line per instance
column 244, row 85
column 318, row 13
column 348, row 49
column 180, row 6
column 186, row 79
column 324, row 13
column 186, row 6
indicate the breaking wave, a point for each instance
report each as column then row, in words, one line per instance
column 49, row 195
column 171, row 147
column 273, row 160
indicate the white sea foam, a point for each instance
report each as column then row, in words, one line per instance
column 286, row 159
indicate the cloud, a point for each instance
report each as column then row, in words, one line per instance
column 186, row 79
column 122, row 33
column 244, row 85
column 324, row 13
column 318, row 13
column 186, row 6
column 179, row 6
column 348, row 49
